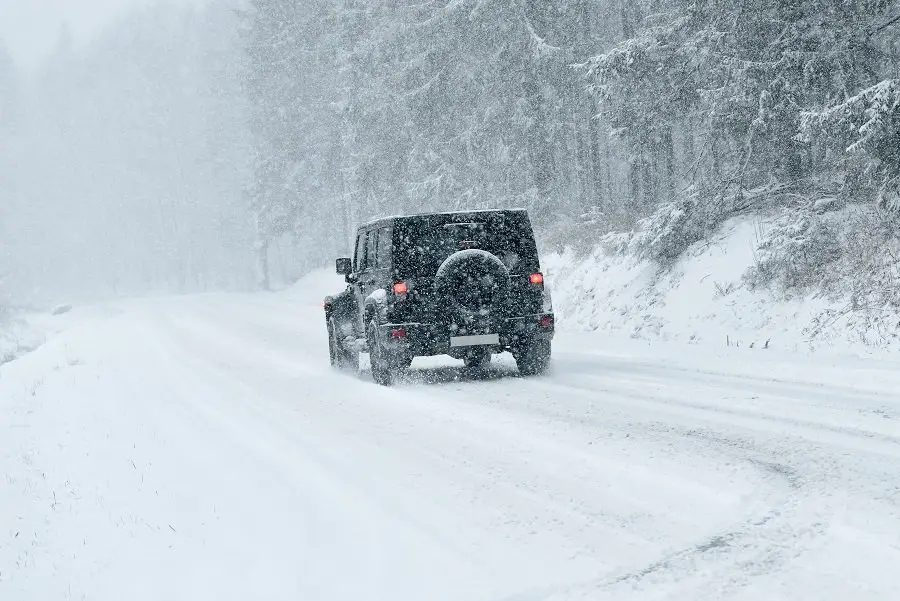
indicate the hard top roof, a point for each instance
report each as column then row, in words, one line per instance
column 391, row 218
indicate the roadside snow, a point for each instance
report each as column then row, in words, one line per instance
column 18, row 335
column 701, row 300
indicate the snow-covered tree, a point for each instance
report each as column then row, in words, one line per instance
column 591, row 113
column 861, row 136
column 711, row 96
column 293, row 85
column 363, row 108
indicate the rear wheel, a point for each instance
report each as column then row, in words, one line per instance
column 478, row 358
column 384, row 365
column 351, row 360
column 533, row 358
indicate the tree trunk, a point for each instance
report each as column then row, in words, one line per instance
column 636, row 182
column 668, row 150
column 262, row 265
column 648, row 184
column 596, row 160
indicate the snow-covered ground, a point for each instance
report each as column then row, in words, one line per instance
column 704, row 299
column 18, row 335
column 200, row 448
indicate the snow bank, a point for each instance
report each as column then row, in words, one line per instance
column 24, row 331
column 312, row 288
column 705, row 299
column 17, row 337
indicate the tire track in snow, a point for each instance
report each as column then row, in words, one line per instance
column 553, row 454
column 759, row 546
column 728, row 541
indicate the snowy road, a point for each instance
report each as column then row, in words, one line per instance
column 201, row 448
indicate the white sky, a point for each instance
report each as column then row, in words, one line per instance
column 30, row 28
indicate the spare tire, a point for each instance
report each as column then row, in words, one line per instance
column 474, row 281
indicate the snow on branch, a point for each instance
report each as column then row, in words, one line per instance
column 876, row 107
column 446, row 11
column 541, row 47
column 867, row 123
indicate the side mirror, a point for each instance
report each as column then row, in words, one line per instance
column 343, row 266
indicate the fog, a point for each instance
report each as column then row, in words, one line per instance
column 124, row 159
column 32, row 28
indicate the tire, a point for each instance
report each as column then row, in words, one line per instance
column 533, row 358
column 477, row 359
column 383, row 369
column 352, row 360
column 341, row 358
column 473, row 282
column 332, row 345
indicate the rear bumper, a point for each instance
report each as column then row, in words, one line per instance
column 421, row 339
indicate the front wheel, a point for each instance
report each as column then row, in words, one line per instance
column 332, row 345
column 341, row 358
column 533, row 358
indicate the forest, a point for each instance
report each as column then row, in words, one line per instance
column 237, row 145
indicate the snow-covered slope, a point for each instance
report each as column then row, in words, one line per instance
column 18, row 336
column 201, row 448
column 704, row 299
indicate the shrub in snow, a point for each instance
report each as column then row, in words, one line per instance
column 617, row 243
column 852, row 255
column 16, row 338
column 794, row 253
column 663, row 237
column 873, row 260
column 868, row 277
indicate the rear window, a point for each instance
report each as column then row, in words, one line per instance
column 421, row 244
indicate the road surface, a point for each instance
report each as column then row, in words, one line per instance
column 201, row 448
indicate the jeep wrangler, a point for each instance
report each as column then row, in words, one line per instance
column 464, row 284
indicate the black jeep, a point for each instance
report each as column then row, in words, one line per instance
column 465, row 284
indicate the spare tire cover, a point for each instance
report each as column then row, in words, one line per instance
column 474, row 281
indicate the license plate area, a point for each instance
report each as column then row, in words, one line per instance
column 478, row 340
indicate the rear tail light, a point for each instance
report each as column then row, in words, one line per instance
column 546, row 321
column 536, row 278
column 400, row 288
column 398, row 333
